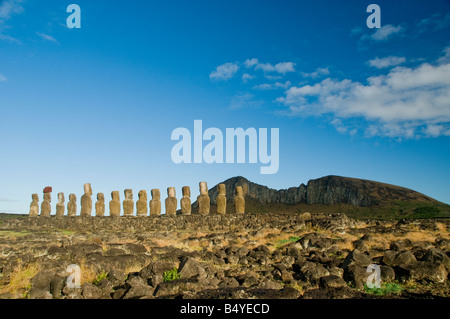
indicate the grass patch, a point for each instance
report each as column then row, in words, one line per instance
column 170, row 275
column 10, row 233
column 291, row 239
column 100, row 277
column 19, row 280
column 385, row 289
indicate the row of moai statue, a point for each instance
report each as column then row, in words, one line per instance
column 203, row 201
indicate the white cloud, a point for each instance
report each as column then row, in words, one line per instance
column 46, row 37
column 7, row 9
column 244, row 100
column 386, row 62
column 3, row 78
column 446, row 57
column 224, row 72
column 385, row 32
column 407, row 102
column 10, row 7
column 251, row 62
column 273, row 86
column 246, row 77
column 317, row 73
column 435, row 22
column 282, row 67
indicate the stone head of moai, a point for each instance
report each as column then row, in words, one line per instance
column 239, row 191
column 221, row 189
column 171, row 202
column 34, row 206
column 100, row 205
column 203, row 199
column 221, row 199
column 87, row 189
column 186, row 191
column 185, row 201
column 61, row 198
column 72, row 205
column 141, row 204
column 155, row 203
column 86, row 201
column 128, row 194
column 114, row 204
column 101, row 197
column 128, row 203
column 45, row 206
column 239, row 200
column 72, row 198
column 60, row 205
column 115, row 195
column 142, row 195
column 203, row 188
column 156, row 194
column 171, row 191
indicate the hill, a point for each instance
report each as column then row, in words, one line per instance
column 358, row 198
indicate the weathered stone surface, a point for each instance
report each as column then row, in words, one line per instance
column 100, row 205
column 203, row 199
column 190, row 267
column 221, row 199
column 114, row 204
column 357, row 257
column 128, row 203
column 137, row 287
column 239, row 200
column 185, row 201
column 46, row 207
column 72, row 205
column 34, row 206
column 331, row 282
column 155, row 203
column 171, row 202
column 141, row 204
column 60, row 206
column 86, row 201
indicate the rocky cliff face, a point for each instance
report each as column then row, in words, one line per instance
column 326, row 190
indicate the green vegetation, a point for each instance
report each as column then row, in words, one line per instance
column 385, row 289
column 291, row 239
column 172, row 274
column 100, row 277
column 10, row 233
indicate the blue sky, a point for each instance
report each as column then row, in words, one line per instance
column 98, row 104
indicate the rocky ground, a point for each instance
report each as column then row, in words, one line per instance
column 248, row 256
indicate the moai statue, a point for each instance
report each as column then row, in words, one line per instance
column 114, row 204
column 46, row 207
column 239, row 200
column 86, row 201
column 60, row 205
column 72, row 205
column 128, row 203
column 171, row 202
column 100, row 205
column 34, row 206
column 141, row 204
column 203, row 199
column 185, row 202
column 221, row 199
column 155, row 203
